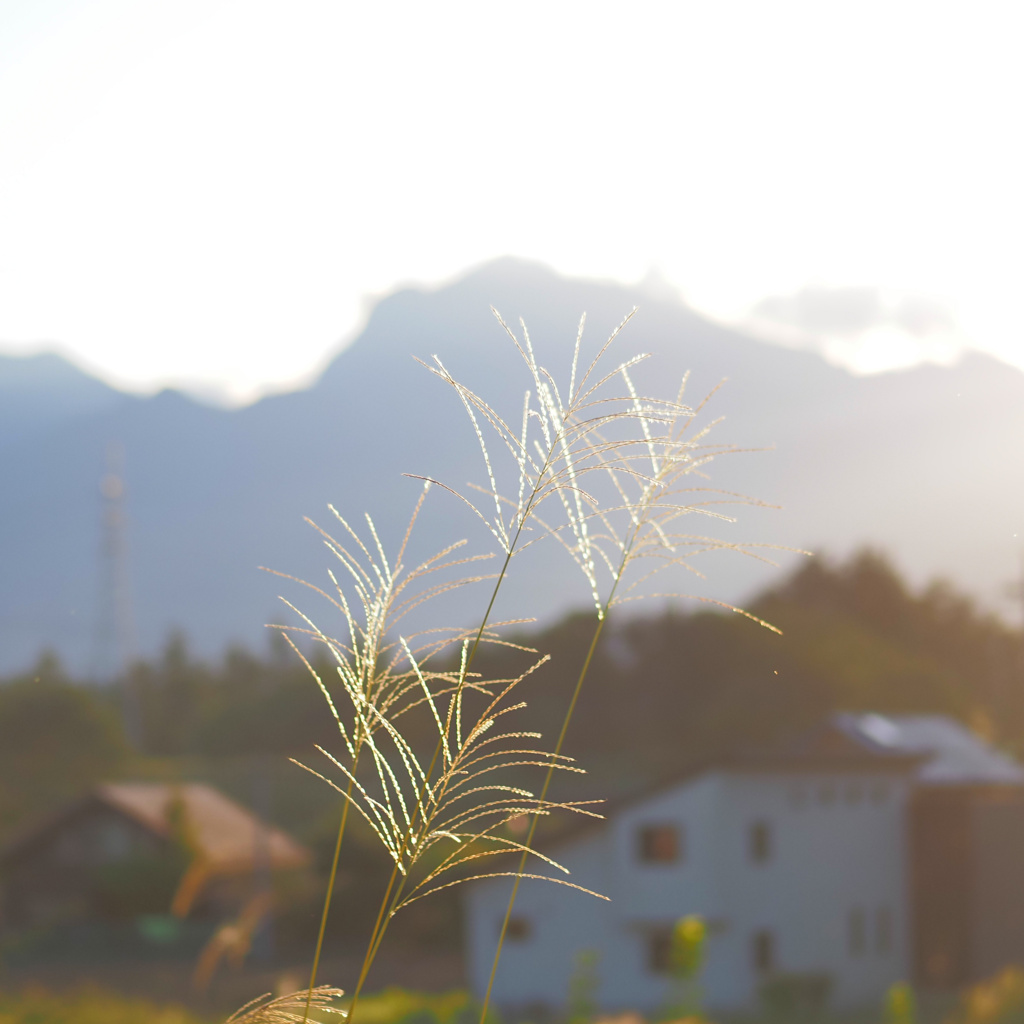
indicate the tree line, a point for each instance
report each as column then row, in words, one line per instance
column 666, row 692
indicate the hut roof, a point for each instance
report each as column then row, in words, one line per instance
column 223, row 834
column 228, row 837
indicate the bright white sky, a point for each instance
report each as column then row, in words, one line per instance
column 205, row 192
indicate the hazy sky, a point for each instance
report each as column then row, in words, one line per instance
column 205, row 192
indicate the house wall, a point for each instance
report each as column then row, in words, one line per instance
column 643, row 897
column 941, row 860
column 835, row 849
column 997, row 882
column 562, row 922
column 832, row 894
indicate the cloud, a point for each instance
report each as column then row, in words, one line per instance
column 867, row 330
column 851, row 311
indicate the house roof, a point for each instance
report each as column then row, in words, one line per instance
column 227, row 837
column 932, row 750
column 950, row 753
column 821, row 751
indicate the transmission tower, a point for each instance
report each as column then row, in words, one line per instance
column 115, row 646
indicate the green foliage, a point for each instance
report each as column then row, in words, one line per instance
column 583, row 985
column 170, row 696
column 792, row 998
column 142, row 884
column 55, row 739
column 998, row 1000
column 244, row 706
column 88, row 1007
column 403, row 1006
column 900, row 1004
column 686, row 957
column 685, row 963
column 855, row 637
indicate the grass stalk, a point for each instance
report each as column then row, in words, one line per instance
column 572, row 445
column 558, row 446
column 387, row 596
column 380, row 926
column 327, row 903
column 544, row 792
column 642, row 518
column 386, row 910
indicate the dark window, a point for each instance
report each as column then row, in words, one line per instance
column 763, row 947
column 883, row 930
column 760, row 842
column 856, row 932
column 659, row 950
column 660, row 844
column 519, row 929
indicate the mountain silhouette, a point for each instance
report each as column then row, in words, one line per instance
column 923, row 463
column 40, row 391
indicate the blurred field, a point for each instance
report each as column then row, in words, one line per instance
column 170, row 982
column 997, row 1000
column 87, row 1007
column 91, row 1005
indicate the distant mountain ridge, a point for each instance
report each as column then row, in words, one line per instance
column 42, row 390
column 924, row 463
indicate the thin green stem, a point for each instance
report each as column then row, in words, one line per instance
column 602, row 619
column 536, row 817
column 382, row 919
column 327, row 902
column 490, row 607
column 381, row 923
column 375, row 937
column 378, row 936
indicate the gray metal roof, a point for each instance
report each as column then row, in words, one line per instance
column 958, row 756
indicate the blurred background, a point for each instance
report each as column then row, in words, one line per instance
column 227, row 228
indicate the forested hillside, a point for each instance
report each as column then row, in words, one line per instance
column 674, row 689
column 665, row 693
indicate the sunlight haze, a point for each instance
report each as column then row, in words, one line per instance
column 208, row 195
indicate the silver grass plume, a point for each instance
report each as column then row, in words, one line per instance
column 384, row 675
column 288, row 1009
column 465, row 807
column 555, row 446
column 657, row 480
column 373, row 594
column 644, row 454
column 612, row 464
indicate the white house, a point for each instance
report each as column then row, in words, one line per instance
column 802, row 864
